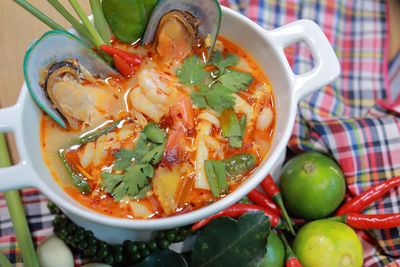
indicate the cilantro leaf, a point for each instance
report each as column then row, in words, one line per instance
column 192, row 71
column 154, row 156
column 199, row 100
column 154, row 133
column 217, row 97
column 124, row 158
column 114, row 184
column 221, row 63
column 135, row 178
column 236, row 80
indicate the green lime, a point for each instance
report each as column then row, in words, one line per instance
column 324, row 243
column 312, row 185
column 275, row 256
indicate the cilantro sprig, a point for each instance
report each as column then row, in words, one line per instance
column 135, row 179
column 216, row 94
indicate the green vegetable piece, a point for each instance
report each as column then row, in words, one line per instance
column 163, row 258
column 93, row 136
column 236, row 80
column 216, row 177
column 79, row 183
column 243, row 122
column 192, row 71
column 235, row 141
column 154, row 133
column 221, row 63
column 127, row 19
column 232, row 128
column 239, row 164
column 243, row 242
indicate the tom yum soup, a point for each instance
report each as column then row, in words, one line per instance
column 173, row 135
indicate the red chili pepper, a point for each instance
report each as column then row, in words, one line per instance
column 369, row 221
column 269, row 187
column 124, row 68
column 260, row 199
column 237, row 210
column 360, row 202
column 130, row 58
column 291, row 258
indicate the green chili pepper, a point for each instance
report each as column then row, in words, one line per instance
column 93, row 136
column 239, row 164
column 81, row 184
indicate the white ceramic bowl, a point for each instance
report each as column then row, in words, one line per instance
column 23, row 119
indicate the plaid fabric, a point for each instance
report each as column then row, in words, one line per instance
column 355, row 119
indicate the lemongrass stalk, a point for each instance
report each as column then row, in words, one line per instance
column 4, row 262
column 17, row 213
column 99, row 20
column 79, row 27
column 34, row 11
column 89, row 26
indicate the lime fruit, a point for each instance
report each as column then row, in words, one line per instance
column 312, row 185
column 323, row 243
column 275, row 256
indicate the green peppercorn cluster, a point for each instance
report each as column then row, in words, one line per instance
column 129, row 252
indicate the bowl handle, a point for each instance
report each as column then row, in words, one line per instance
column 326, row 64
column 16, row 176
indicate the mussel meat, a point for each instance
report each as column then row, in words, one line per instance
column 76, row 102
column 58, row 91
column 176, row 26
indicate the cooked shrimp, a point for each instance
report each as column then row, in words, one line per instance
column 155, row 93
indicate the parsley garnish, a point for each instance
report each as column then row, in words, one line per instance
column 135, row 181
column 216, row 94
column 221, row 63
column 192, row 71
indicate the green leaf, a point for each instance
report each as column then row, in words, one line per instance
column 154, row 156
column 148, row 7
column 127, row 19
column 199, row 100
column 243, row 242
column 221, row 63
column 136, row 177
column 154, row 133
column 219, row 98
column 236, row 80
column 192, row 71
column 124, row 159
column 216, row 176
column 110, row 181
column 163, row 258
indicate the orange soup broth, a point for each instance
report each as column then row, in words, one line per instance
column 187, row 197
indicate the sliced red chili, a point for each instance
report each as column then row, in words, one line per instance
column 360, row 202
column 262, row 200
column 123, row 67
column 238, row 210
column 130, row 58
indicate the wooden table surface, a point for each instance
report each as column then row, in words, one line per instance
column 18, row 28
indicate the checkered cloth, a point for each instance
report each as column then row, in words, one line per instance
column 356, row 119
